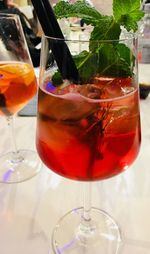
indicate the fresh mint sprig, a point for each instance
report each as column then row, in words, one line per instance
column 127, row 13
column 113, row 59
column 79, row 9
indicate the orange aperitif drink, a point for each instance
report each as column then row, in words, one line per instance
column 17, row 85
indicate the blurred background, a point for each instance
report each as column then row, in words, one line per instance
column 26, row 7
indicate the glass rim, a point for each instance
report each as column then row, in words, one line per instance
column 131, row 37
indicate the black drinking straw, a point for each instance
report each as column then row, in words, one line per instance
column 51, row 28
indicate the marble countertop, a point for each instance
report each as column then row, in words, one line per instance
column 30, row 210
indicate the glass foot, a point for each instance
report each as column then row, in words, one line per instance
column 72, row 235
column 19, row 167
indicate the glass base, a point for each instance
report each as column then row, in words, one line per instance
column 72, row 235
column 19, row 167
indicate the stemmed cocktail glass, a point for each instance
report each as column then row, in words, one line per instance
column 17, row 86
column 88, row 129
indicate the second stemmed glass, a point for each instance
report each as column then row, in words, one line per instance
column 88, row 130
column 17, row 86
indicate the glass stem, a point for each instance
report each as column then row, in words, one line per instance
column 87, row 202
column 10, row 122
column 87, row 227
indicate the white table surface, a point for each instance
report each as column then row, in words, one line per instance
column 29, row 210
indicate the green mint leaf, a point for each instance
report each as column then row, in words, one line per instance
column 111, row 60
column 79, row 9
column 87, row 64
column 57, row 79
column 127, row 13
column 106, row 29
column 115, row 60
column 125, row 54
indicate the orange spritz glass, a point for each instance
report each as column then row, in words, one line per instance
column 18, row 85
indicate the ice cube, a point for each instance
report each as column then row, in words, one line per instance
column 69, row 106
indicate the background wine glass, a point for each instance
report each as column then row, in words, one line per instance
column 88, row 130
column 17, row 86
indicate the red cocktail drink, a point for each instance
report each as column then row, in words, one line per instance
column 89, row 132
